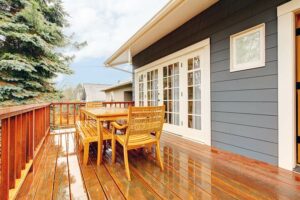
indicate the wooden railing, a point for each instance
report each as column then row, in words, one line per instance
column 118, row 104
column 23, row 131
column 65, row 114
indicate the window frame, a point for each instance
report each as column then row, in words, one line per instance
column 248, row 65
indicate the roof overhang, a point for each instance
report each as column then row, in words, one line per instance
column 117, row 86
column 169, row 18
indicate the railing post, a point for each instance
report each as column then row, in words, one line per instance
column 5, row 152
column 74, row 112
column 12, row 157
column 68, row 114
column 53, row 114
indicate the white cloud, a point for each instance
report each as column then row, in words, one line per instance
column 107, row 24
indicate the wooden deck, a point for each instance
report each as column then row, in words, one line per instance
column 192, row 171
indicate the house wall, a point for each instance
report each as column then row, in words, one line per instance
column 244, row 103
column 118, row 94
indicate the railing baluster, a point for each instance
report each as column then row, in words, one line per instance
column 23, row 142
column 12, row 157
column 18, row 149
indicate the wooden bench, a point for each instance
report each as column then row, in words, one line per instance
column 86, row 133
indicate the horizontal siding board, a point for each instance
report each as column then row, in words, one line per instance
column 265, row 134
column 265, row 95
column 263, row 121
column 263, row 82
column 256, row 108
column 269, row 69
column 244, row 152
column 247, row 143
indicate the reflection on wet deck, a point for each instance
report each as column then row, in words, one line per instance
column 192, row 171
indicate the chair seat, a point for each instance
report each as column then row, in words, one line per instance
column 137, row 140
column 88, row 131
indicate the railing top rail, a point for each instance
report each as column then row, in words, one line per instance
column 16, row 110
column 118, row 102
column 68, row 102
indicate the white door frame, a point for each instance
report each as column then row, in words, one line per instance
column 205, row 45
column 286, row 84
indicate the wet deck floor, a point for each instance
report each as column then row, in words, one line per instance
column 192, row 171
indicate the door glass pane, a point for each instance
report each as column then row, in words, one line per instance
column 141, row 90
column 152, row 87
column 171, row 92
column 194, row 93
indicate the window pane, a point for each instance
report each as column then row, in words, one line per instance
column 170, row 106
column 176, row 106
column 176, row 81
column 165, row 94
column 176, row 68
column 165, row 83
column 198, row 107
column 170, row 82
column 247, row 48
column 165, row 71
column 197, row 122
column 197, row 77
column 198, row 92
column 170, row 94
column 190, row 78
column 190, row 64
column 176, row 93
column 176, row 119
column 170, row 69
column 190, row 93
column 190, row 121
column 196, row 62
column 190, row 107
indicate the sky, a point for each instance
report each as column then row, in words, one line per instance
column 105, row 25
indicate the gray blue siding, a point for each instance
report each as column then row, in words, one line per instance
column 244, row 103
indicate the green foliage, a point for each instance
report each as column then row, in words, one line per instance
column 31, row 35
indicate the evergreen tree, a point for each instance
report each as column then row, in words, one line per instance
column 31, row 36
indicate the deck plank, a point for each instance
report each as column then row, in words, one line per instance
column 93, row 186
column 61, row 187
column 77, row 186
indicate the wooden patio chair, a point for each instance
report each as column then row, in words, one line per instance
column 141, row 124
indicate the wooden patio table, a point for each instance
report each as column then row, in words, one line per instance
column 101, row 115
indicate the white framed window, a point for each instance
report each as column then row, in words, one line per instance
column 247, row 49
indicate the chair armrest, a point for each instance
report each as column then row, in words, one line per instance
column 118, row 126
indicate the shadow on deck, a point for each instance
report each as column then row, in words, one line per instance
column 192, row 171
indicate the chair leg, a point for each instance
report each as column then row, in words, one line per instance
column 126, row 163
column 158, row 157
column 86, row 153
column 99, row 155
column 113, row 149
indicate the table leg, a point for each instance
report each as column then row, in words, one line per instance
column 100, row 142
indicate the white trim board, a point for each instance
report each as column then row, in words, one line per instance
column 286, row 85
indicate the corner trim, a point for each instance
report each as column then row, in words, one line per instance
column 286, row 85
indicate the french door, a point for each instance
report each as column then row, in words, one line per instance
column 182, row 84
